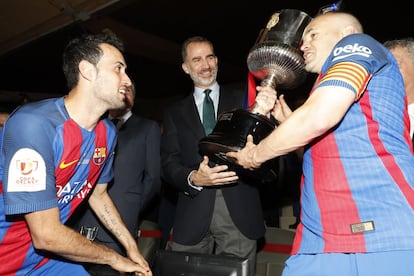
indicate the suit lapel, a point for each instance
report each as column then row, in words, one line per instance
column 229, row 100
column 224, row 101
column 191, row 117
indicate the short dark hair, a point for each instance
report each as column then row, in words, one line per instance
column 406, row 43
column 85, row 47
column 191, row 40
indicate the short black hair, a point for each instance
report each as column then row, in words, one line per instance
column 86, row 47
column 405, row 43
column 192, row 40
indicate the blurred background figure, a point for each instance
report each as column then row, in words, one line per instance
column 403, row 51
column 3, row 118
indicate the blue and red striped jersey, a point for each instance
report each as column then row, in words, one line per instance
column 48, row 161
column 357, row 187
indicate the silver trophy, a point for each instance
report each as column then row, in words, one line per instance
column 277, row 61
column 275, row 58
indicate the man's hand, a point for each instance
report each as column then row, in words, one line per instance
column 137, row 257
column 245, row 156
column 123, row 264
column 281, row 111
column 265, row 100
column 207, row 176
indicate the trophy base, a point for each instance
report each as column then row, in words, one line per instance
column 230, row 134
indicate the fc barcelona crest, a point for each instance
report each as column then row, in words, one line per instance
column 99, row 156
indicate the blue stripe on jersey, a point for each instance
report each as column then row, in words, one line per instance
column 360, row 175
column 45, row 127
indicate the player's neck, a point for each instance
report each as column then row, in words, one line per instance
column 82, row 110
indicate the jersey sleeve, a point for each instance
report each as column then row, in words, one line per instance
column 353, row 62
column 28, row 164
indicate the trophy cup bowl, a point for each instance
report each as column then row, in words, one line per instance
column 277, row 65
column 276, row 60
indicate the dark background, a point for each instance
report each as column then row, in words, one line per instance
column 153, row 32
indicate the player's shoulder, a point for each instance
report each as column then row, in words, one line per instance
column 36, row 111
column 359, row 44
column 360, row 48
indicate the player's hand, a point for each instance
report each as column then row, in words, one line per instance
column 244, row 157
column 265, row 100
column 281, row 111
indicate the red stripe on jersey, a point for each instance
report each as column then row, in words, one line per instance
column 335, row 222
column 42, row 262
column 97, row 160
column 72, row 141
column 72, row 144
column 387, row 159
column 14, row 253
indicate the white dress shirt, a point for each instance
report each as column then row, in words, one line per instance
column 121, row 119
column 199, row 98
column 411, row 114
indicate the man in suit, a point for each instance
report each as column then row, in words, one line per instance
column 137, row 175
column 211, row 215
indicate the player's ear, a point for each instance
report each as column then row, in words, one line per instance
column 185, row 68
column 87, row 70
column 348, row 30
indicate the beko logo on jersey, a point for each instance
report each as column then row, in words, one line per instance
column 349, row 50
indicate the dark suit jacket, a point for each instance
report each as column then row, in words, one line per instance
column 180, row 155
column 137, row 176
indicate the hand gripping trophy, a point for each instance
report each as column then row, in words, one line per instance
column 276, row 60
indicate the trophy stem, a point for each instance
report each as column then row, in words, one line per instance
column 270, row 79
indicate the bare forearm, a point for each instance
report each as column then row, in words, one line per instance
column 109, row 216
column 73, row 246
column 50, row 235
column 104, row 208
column 287, row 137
column 77, row 248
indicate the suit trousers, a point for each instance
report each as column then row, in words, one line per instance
column 223, row 237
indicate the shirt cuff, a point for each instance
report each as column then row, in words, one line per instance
column 190, row 183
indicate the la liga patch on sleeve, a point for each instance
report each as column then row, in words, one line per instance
column 27, row 172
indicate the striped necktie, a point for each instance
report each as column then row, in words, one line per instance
column 209, row 116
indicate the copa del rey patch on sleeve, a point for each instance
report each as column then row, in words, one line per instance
column 27, row 172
